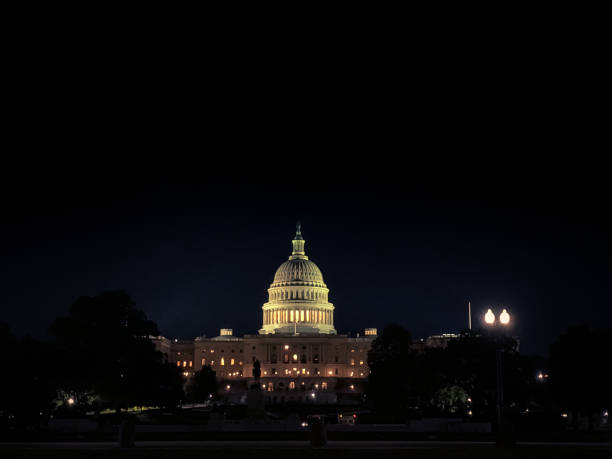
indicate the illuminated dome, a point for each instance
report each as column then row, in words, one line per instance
column 298, row 269
column 297, row 298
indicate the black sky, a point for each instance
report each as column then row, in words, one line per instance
column 423, row 180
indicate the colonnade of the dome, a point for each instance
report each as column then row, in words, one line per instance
column 286, row 316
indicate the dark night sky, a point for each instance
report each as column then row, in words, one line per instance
column 418, row 188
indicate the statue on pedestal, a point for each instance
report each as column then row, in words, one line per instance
column 255, row 395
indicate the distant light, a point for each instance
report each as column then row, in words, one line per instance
column 70, row 401
column 605, row 413
column 469, row 400
column 563, row 415
column 304, row 424
column 354, row 416
column 490, row 317
column 227, row 387
column 352, row 386
column 504, row 317
column 313, row 396
column 470, row 413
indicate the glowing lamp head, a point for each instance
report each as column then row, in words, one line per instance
column 70, row 401
column 504, row 317
column 490, row 317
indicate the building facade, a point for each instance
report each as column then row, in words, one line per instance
column 302, row 357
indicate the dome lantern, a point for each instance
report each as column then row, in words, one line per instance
column 298, row 244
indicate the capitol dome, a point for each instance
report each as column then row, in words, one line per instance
column 297, row 298
column 299, row 270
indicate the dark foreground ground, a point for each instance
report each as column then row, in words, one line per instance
column 300, row 449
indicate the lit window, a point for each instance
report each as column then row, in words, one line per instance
column 295, row 357
column 286, row 346
column 303, row 371
column 302, row 315
column 352, row 373
column 222, row 361
column 290, row 316
column 231, row 361
column 361, row 362
column 178, row 364
column 324, row 385
column 184, row 363
column 191, row 363
column 203, row 362
column 292, row 385
column 353, row 362
column 330, row 372
column 270, row 387
column 212, row 350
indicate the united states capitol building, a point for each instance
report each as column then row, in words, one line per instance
column 302, row 357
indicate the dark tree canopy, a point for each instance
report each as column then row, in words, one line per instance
column 580, row 369
column 389, row 359
column 106, row 348
column 28, row 386
column 405, row 379
column 202, row 385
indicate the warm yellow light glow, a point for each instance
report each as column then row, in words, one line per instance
column 295, row 357
column 286, row 346
column 70, row 401
column 489, row 317
column 504, row 317
column 231, row 361
column 222, row 361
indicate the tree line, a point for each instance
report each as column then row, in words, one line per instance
column 100, row 356
column 460, row 379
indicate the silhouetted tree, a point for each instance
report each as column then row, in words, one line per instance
column 580, row 371
column 202, row 385
column 27, row 386
column 389, row 359
column 105, row 347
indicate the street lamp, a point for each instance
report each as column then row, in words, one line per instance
column 504, row 321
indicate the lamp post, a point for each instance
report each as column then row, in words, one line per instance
column 504, row 321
